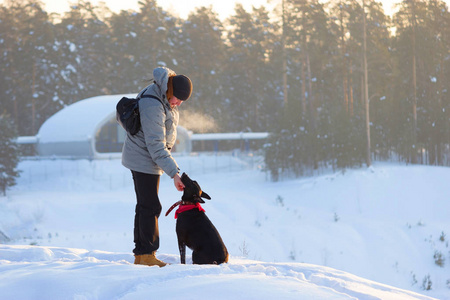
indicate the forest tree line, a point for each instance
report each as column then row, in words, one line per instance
column 296, row 72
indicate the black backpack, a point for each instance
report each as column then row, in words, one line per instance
column 127, row 113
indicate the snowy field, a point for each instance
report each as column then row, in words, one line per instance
column 377, row 233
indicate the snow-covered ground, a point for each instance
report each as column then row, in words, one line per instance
column 376, row 233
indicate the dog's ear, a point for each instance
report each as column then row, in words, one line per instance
column 205, row 195
column 200, row 192
column 199, row 200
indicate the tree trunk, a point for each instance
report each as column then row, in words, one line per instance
column 33, row 102
column 283, row 46
column 312, row 110
column 304, row 63
column 303, row 97
column 350, row 86
column 344, row 61
column 414, row 108
column 366, row 88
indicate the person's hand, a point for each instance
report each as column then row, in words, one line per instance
column 178, row 183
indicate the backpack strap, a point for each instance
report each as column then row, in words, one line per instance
column 154, row 97
column 150, row 96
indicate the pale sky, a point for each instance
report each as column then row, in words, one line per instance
column 179, row 7
column 183, row 7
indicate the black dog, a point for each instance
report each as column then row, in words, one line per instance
column 195, row 230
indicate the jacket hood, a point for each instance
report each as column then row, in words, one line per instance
column 161, row 77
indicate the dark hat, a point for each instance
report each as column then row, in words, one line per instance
column 182, row 87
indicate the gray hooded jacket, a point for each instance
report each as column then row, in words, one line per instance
column 148, row 151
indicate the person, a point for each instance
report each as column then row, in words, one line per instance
column 148, row 155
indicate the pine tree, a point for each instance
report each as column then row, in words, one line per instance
column 435, row 123
column 82, row 41
column 28, row 69
column 303, row 134
column 252, row 100
column 9, row 154
column 420, row 45
column 201, row 54
column 141, row 41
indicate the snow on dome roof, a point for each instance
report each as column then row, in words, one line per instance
column 80, row 121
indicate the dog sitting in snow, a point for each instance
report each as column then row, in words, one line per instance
column 194, row 229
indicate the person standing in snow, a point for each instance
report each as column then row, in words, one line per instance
column 147, row 154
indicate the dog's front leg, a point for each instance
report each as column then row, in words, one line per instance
column 182, row 248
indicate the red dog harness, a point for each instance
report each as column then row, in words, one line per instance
column 184, row 207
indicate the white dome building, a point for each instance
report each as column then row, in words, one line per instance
column 88, row 129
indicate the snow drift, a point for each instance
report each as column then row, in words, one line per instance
column 70, row 223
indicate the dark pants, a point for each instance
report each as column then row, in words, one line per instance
column 148, row 209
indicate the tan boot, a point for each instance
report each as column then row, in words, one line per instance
column 151, row 260
column 137, row 259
